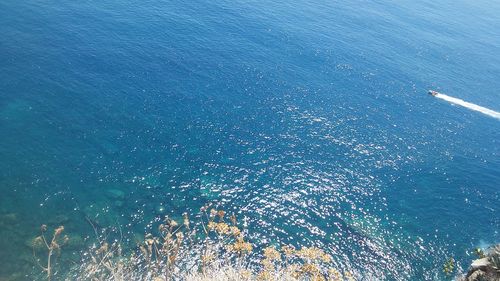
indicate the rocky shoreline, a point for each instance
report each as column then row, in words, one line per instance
column 486, row 268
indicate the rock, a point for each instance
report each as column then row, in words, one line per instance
column 15, row 276
column 209, row 193
column 486, row 268
column 177, row 219
column 179, row 203
column 59, row 220
column 209, row 188
column 477, row 275
column 75, row 242
column 109, row 147
column 99, row 215
column 480, row 263
column 115, row 194
column 7, row 219
column 137, row 238
column 28, row 258
column 119, row 204
column 36, row 243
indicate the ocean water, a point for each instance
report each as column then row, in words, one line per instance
column 309, row 119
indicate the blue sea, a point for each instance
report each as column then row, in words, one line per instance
column 310, row 119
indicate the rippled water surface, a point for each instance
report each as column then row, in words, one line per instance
column 310, row 119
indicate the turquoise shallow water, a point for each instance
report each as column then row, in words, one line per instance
column 310, row 119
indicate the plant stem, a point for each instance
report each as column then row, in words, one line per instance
column 49, row 272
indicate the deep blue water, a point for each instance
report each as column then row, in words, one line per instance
column 309, row 118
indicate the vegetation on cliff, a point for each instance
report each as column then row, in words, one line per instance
column 213, row 248
column 486, row 268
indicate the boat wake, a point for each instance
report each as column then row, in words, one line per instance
column 468, row 105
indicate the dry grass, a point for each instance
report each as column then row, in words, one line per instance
column 52, row 247
column 213, row 248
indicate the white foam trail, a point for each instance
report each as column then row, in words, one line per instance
column 469, row 105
